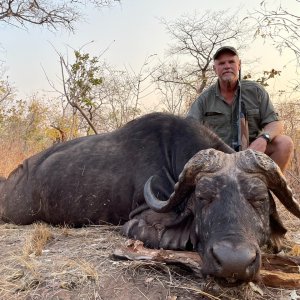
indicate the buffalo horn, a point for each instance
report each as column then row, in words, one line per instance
column 257, row 162
column 203, row 162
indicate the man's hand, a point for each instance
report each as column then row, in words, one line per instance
column 274, row 129
column 260, row 144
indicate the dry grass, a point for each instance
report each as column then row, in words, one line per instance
column 66, row 263
column 13, row 155
column 38, row 239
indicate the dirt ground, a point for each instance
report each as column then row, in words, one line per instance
column 43, row 262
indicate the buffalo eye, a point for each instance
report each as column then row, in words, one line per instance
column 255, row 191
column 258, row 201
column 204, row 198
column 207, row 189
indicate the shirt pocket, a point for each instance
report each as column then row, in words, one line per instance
column 253, row 112
column 217, row 121
column 253, row 122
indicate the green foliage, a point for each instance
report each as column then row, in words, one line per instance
column 84, row 75
column 101, row 97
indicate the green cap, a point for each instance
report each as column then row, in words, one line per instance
column 225, row 49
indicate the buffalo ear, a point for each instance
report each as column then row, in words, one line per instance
column 160, row 230
column 277, row 228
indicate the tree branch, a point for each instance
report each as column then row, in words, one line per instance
column 52, row 14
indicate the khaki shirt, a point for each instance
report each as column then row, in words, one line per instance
column 211, row 109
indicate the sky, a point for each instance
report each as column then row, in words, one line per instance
column 131, row 32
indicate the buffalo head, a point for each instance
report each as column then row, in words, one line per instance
column 233, row 210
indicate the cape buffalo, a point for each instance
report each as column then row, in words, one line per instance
column 171, row 182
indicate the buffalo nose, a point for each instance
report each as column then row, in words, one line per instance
column 237, row 261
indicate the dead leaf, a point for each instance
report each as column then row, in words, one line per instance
column 295, row 250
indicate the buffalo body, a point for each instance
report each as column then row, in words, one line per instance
column 171, row 182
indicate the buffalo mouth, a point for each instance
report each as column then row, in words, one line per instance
column 229, row 282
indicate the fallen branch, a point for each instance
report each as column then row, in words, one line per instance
column 280, row 279
column 280, row 271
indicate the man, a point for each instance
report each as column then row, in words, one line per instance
column 217, row 107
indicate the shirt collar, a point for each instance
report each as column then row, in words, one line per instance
column 218, row 92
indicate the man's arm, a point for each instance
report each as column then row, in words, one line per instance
column 273, row 129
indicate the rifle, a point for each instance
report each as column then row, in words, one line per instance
column 242, row 121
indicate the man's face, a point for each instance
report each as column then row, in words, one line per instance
column 227, row 67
